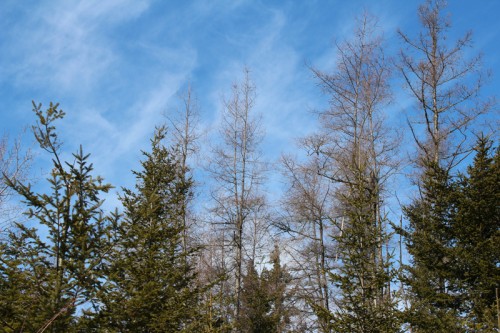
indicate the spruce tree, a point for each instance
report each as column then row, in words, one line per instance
column 255, row 304
column 364, row 303
column 453, row 238
column 151, row 279
column 264, row 298
column 476, row 232
column 430, row 281
column 22, row 304
column 445, row 81
column 52, row 267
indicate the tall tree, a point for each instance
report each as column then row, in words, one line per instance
column 238, row 173
column 446, row 86
column 151, row 284
column 476, row 234
column 359, row 151
column 308, row 223
column 55, row 266
column 428, row 237
column 185, row 135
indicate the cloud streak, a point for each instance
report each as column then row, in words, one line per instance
column 62, row 45
column 115, row 65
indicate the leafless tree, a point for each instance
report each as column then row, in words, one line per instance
column 307, row 222
column 185, row 136
column 445, row 83
column 14, row 164
column 358, row 151
column 237, row 172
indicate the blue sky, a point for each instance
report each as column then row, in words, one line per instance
column 115, row 66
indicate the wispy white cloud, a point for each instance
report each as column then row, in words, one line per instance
column 115, row 65
column 116, row 142
column 63, row 45
column 112, row 102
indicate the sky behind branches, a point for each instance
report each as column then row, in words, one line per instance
column 117, row 66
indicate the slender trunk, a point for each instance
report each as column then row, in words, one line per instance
column 243, row 192
column 435, row 109
column 324, row 283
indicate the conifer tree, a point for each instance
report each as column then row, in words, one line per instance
column 151, row 283
column 476, row 233
column 264, row 298
column 364, row 303
column 445, row 84
column 46, row 275
column 277, row 281
column 255, row 304
column 453, row 236
column 434, row 308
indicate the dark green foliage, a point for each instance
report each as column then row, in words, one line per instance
column 256, row 304
column 22, row 302
column 151, row 283
column 364, row 303
column 453, row 238
column 49, row 270
column 277, row 281
column 476, row 232
column 264, row 308
column 429, row 241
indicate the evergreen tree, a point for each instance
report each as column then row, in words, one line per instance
column 256, row 304
column 453, row 238
column 151, row 279
column 277, row 281
column 22, row 303
column 364, row 303
column 45, row 275
column 445, row 82
column 264, row 296
column 476, row 232
column 431, row 283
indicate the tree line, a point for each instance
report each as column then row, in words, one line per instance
column 328, row 257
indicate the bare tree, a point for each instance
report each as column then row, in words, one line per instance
column 14, row 164
column 358, row 151
column 238, row 172
column 185, row 137
column 307, row 221
column 446, row 84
